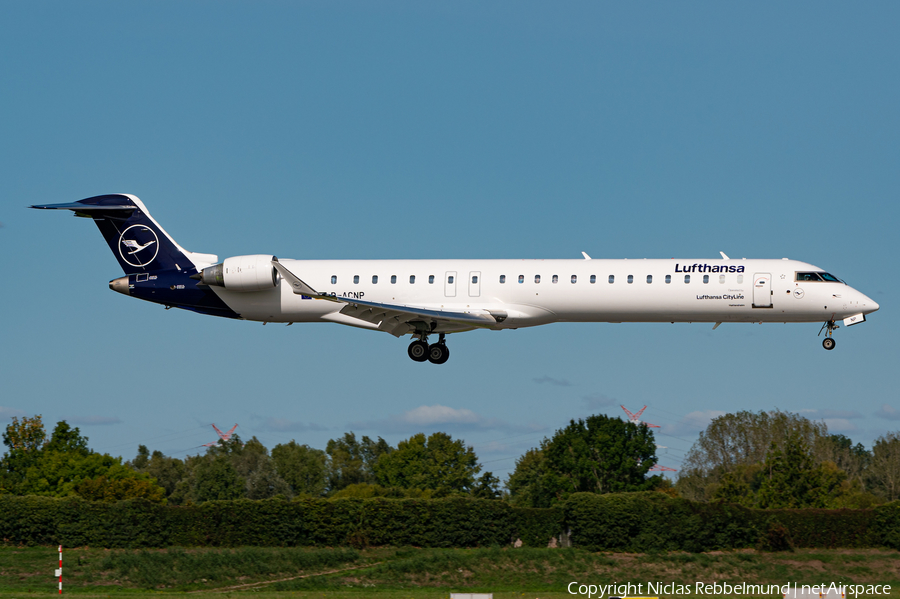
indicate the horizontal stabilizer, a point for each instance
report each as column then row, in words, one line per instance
column 79, row 207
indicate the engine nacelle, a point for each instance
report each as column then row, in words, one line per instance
column 242, row 273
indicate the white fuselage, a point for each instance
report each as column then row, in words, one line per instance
column 535, row 292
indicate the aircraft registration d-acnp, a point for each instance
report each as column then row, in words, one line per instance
column 431, row 298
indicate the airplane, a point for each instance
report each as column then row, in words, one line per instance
column 426, row 298
column 636, row 417
column 223, row 436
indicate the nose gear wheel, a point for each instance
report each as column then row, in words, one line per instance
column 828, row 342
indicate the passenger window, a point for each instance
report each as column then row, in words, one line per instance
column 502, row 279
column 521, row 278
column 393, row 279
column 555, row 278
column 721, row 278
column 537, row 278
column 740, row 279
column 474, row 278
column 612, row 279
column 412, row 279
column 374, row 279
column 706, row 278
column 630, row 279
column 687, row 278
column 431, row 279
column 334, row 279
column 356, row 279
column 450, row 279
column 668, row 279
column 574, row 279
column 649, row 278
column 593, row 279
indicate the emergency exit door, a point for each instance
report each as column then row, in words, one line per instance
column 762, row 290
column 450, row 284
column 474, row 283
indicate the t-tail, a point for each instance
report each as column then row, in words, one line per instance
column 135, row 238
column 156, row 268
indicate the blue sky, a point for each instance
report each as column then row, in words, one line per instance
column 443, row 130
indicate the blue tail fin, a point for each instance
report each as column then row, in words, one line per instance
column 135, row 238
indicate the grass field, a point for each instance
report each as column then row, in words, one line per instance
column 390, row 573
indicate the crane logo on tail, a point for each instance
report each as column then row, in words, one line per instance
column 135, row 244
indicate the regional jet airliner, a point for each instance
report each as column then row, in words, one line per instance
column 431, row 298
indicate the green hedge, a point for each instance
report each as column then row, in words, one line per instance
column 451, row 522
column 637, row 522
column 654, row 521
column 650, row 521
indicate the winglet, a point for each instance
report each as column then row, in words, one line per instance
column 586, row 257
column 724, row 256
column 299, row 287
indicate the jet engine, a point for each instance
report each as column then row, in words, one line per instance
column 241, row 273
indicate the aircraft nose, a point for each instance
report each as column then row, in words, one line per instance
column 868, row 304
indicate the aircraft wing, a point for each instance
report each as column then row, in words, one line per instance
column 393, row 318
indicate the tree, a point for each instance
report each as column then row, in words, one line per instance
column 526, row 483
column 351, row 462
column 487, row 486
column 27, row 435
column 253, row 464
column 25, row 440
column 65, row 465
column 213, row 477
column 597, row 455
column 791, row 478
column 438, row 462
column 884, row 470
column 302, row 467
column 742, row 438
column 601, row 455
column 167, row 471
column 66, row 439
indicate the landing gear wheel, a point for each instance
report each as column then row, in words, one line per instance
column 418, row 351
column 438, row 353
column 828, row 343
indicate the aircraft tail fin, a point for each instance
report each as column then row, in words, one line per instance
column 137, row 241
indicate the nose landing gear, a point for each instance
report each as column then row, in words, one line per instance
column 828, row 342
column 436, row 353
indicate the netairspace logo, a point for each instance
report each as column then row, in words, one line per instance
column 790, row 590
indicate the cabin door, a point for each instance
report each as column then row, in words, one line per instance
column 762, row 290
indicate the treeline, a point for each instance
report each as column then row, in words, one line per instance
column 599, row 454
column 767, row 460
column 774, row 460
column 64, row 465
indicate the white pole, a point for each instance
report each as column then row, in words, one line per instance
column 60, row 570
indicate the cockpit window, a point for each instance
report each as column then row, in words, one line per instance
column 817, row 276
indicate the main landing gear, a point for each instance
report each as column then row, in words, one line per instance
column 828, row 342
column 436, row 353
